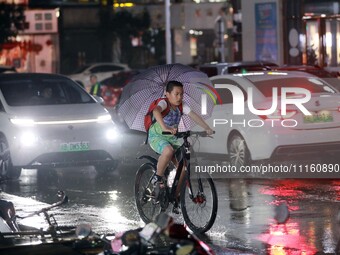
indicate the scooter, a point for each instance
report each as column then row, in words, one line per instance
column 179, row 239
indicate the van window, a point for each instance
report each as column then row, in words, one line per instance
column 314, row 85
column 209, row 70
column 225, row 94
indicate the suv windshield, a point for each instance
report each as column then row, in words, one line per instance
column 26, row 91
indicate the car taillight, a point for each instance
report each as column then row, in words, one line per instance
column 278, row 115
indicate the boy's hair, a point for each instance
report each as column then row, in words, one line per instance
column 171, row 84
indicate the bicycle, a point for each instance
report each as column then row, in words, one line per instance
column 198, row 197
column 53, row 232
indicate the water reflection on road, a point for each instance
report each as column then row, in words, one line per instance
column 92, row 197
column 245, row 215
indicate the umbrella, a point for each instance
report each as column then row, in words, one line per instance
column 150, row 85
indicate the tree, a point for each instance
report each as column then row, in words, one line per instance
column 12, row 19
column 154, row 40
column 125, row 26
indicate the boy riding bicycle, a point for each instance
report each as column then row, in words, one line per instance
column 166, row 145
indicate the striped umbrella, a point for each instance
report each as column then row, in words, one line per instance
column 150, row 85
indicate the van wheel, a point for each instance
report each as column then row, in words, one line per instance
column 239, row 154
column 7, row 171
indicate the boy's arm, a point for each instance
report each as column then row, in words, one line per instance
column 157, row 113
column 199, row 121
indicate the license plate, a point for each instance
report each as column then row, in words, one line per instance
column 321, row 116
column 75, row 146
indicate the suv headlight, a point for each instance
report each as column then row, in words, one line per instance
column 112, row 134
column 22, row 122
column 28, row 139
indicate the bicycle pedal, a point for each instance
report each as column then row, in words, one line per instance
column 155, row 202
column 176, row 210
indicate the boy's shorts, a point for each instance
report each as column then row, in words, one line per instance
column 158, row 141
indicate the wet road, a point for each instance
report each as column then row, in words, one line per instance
column 245, row 219
column 246, row 210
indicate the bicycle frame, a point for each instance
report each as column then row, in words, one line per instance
column 198, row 197
column 184, row 153
column 182, row 163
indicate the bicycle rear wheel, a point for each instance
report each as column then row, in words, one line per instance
column 199, row 212
column 147, row 208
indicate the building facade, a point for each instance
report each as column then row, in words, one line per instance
column 36, row 47
column 292, row 32
column 282, row 31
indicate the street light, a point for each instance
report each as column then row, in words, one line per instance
column 168, row 32
column 220, row 31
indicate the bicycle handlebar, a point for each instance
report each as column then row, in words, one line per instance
column 188, row 133
column 64, row 199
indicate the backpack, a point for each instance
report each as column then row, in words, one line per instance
column 149, row 120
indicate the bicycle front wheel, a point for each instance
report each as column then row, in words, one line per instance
column 200, row 209
column 145, row 202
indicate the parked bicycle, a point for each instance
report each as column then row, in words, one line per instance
column 198, row 197
column 11, row 231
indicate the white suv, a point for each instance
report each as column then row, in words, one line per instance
column 48, row 120
column 247, row 137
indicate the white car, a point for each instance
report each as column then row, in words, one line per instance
column 7, row 69
column 48, row 120
column 101, row 70
column 273, row 135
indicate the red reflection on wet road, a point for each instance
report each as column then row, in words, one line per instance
column 294, row 237
column 336, row 185
column 286, row 239
column 288, row 188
